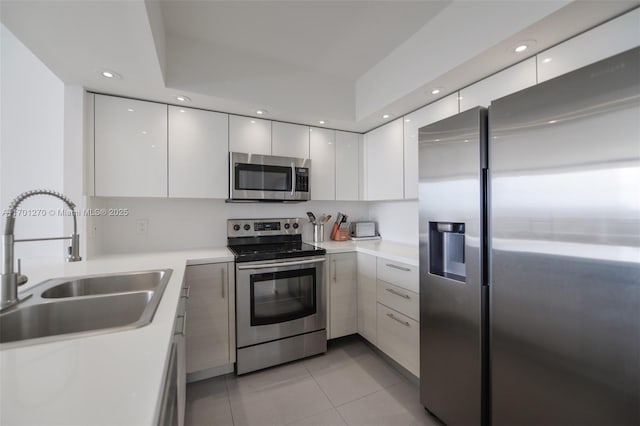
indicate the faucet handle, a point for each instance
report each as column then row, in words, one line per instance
column 21, row 279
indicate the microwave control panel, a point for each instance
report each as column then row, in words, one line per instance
column 302, row 179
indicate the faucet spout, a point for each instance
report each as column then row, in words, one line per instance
column 9, row 279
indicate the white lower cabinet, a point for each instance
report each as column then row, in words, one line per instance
column 210, row 319
column 399, row 337
column 343, row 318
column 367, row 317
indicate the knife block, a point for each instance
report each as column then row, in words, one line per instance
column 338, row 233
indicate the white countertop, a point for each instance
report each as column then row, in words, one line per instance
column 399, row 252
column 109, row 379
column 115, row 378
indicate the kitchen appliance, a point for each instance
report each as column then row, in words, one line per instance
column 452, row 158
column 280, row 293
column 255, row 177
column 363, row 229
column 551, row 229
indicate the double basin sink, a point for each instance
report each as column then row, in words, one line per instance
column 87, row 305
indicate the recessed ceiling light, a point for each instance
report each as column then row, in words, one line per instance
column 552, row 121
column 520, row 48
column 321, row 121
column 407, row 120
column 261, row 111
column 130, row 109
column 183, row 98
column 436, row 91
column 546, row 60
column 107, row 73
column 386, row 116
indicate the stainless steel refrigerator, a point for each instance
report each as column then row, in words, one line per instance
column 560, row 257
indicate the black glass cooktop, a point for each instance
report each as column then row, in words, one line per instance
column 248, row 252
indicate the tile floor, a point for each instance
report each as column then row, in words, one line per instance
column 349, row 385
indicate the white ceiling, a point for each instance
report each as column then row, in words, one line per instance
column 342, row 61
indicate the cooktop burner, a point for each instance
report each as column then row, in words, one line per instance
column 268, row 239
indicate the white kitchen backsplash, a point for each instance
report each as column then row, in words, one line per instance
column 176, row 224
column 397, row 220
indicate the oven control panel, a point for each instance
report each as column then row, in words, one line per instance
column 261, row 227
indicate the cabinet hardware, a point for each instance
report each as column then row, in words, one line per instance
column 402, row 268
column 397, row 293
column 335, row 272
column 183, row 328
column 222, row 281
column 393, row 317
column 186, row 294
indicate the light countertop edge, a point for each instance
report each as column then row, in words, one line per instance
column 399, row 252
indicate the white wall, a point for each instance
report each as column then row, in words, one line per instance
column 175, row 224
column 397, row 220
column 31, row 142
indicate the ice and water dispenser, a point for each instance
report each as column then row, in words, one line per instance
column 446, row 254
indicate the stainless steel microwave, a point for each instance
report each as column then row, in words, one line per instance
column 255, row 177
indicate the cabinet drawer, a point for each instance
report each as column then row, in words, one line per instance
column 400, row 299
column 400, row 274
column 399, row 337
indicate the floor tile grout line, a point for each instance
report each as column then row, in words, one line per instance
column 333, row 407
column 226, row 386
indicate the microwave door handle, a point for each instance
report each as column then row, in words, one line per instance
column 293, row 179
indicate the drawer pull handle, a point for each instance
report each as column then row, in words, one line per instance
column 183, row 329
column 402, row 268
column 397, row 293
column 393, row 317
column 186, row 294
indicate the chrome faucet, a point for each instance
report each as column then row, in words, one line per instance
column 10, row 279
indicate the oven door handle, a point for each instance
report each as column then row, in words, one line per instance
column 280, row 264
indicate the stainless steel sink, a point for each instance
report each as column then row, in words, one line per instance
column 84, row 306
column 104, row 284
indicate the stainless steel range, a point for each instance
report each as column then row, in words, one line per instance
column 280, row 293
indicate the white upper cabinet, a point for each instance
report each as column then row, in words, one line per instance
column 130, row 148
column 322, row 148
column 198, row 158
column 385, row 162
column 250, row 135
column 290, row 140
column 606, row 40
column 431, row 113
column 347, row 165
column 510, row 80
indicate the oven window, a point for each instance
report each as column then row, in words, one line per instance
column 259, row 177
column 282, row 296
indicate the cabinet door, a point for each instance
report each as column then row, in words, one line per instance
column 606, row 40
column 207, row 316
column 385, row 162
column 367, row 317
column 347, row 165
column 198, row 159
column 431, row 113
column 290, row 140
column 510, row 80
column 250, row 135
column 130, row 148
column 323, row 163
column 343, row 300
